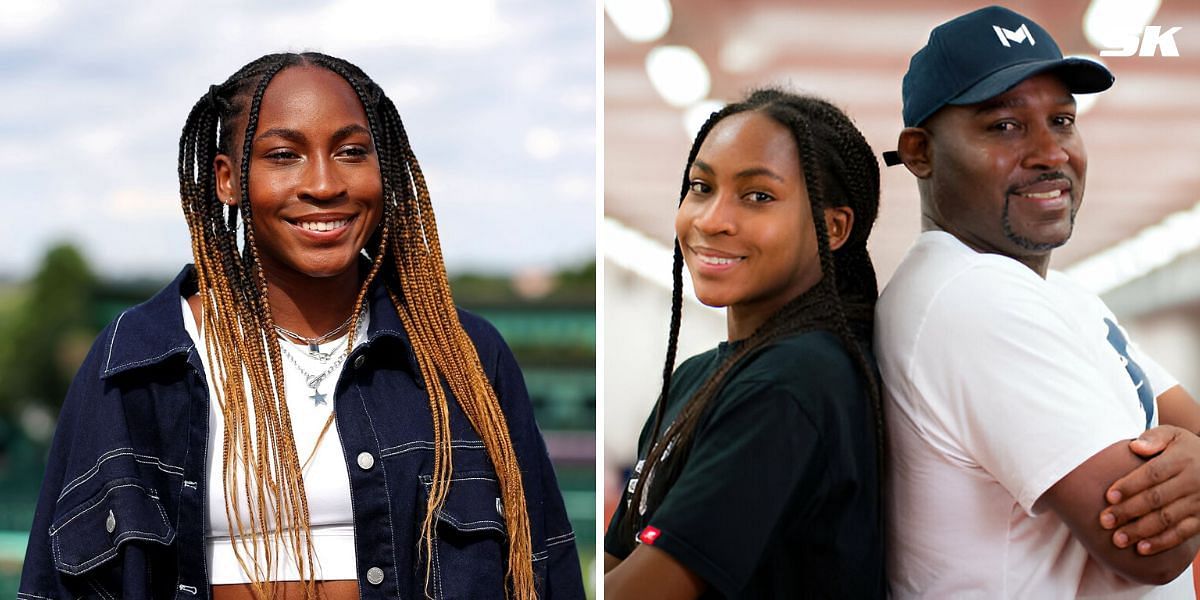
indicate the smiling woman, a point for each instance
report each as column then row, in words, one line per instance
column 303, row 412
column 315, row 181
column 781, row 422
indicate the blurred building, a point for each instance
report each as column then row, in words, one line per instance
column 553, row 336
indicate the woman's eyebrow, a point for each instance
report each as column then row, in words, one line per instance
column 743, row 174
column 757, row 171
column 349, row 130
column 296, row 136
column 290, row 135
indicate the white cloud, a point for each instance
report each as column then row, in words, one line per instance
column 576, row 188
column 407, row 93
column 542, row 143
column 17, row 155
column 580, row 98
column 447, row 25
column 24, row 19
column 99, row 142
column 134, row 204
column 93, row 103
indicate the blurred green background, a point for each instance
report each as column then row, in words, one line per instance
column 48, row 323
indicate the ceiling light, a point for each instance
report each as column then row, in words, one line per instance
column 1151, row 248
column 639, row 20
column 678, row 75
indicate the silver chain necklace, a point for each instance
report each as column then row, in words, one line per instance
column 314, row 381
column 313, row 343
column 317, row 355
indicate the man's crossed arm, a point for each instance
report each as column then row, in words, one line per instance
column 1136, row 505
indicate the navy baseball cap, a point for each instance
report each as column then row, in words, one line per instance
column 983, row 54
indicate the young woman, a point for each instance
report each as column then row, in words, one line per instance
column 302, row 413
column 758, row 471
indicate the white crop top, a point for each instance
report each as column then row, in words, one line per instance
column 326, row 479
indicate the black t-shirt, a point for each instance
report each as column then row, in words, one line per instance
column 779, row 497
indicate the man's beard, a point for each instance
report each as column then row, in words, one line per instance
column 1029, row 244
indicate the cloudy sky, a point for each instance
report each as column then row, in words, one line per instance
column 498, row 97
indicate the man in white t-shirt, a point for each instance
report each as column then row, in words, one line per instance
column 1011, row 393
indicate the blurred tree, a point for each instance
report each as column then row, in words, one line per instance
column 583, row 277
column 567, row 287
column 40, row 339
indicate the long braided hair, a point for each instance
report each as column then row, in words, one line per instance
column 238, row 327
column 839, row 169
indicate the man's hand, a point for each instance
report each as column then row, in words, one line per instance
column 1157, row 505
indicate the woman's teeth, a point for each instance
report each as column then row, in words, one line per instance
column 716, row 260
column 323, row 225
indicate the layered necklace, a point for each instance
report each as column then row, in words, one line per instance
column 326, row 360
column 314, row 343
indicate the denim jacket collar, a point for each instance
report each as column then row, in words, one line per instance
column 152, row 332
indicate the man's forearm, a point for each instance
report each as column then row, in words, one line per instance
column 1078, row 499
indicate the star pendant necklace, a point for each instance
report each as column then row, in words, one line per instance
column 314, row 381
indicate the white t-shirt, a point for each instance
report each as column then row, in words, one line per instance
column 997, row 384
column 326, row 478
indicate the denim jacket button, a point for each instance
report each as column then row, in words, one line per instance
column 366, row 461
column 360, row 361
column 374, row 576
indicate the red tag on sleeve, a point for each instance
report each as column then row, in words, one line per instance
column 648, row 535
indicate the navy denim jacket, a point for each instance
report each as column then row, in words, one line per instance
column 121, row 511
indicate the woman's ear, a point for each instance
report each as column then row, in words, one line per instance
column 839, row 222
column 223, row 168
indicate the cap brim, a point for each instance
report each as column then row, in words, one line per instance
column 1081, row 76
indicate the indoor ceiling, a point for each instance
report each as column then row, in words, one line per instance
column 1142, row 136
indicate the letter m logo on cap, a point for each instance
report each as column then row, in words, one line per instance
column 1018, row 36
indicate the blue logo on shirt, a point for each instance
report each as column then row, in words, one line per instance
column 1121, row 345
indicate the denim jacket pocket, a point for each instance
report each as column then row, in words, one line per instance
column 470, row 549
column 89, row 535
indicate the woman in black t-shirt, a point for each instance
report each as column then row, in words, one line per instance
column 759, row 468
